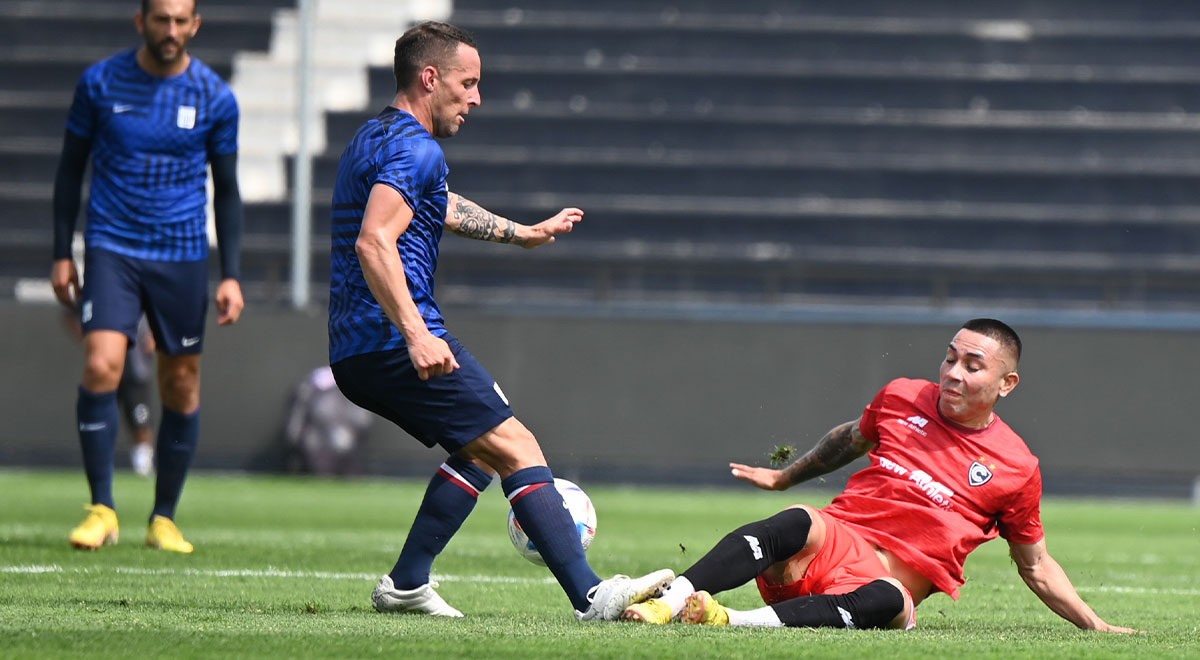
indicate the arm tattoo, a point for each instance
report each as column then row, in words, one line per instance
column 473, row 221
column 842, row 444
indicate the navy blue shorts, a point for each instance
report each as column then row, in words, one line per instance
column 450, row 410
column 174, row 296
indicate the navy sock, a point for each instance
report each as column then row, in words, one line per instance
column 98, row 422
column 539, row 508
column 449, row 499
column 177, row 437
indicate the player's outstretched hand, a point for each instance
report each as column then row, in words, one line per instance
column 544, row 232
column 764, row 478
column 64, row 278
column 431, row 356
column 229, row 302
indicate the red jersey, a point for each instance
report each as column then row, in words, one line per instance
column 935, row 490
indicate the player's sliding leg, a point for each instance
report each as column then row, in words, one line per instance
column 178, row 434
column 879, row 604
column 449, row 499
column 737, row 558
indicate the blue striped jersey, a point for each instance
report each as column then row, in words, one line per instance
column 151, row 140
column 395, row 150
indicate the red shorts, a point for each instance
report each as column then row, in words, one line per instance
column 846, row 562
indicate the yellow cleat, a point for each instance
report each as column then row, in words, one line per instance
column 164, row 535
column 703, row 609
column 654, row 611
column 99, row 528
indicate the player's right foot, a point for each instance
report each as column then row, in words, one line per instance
column 422, row 600
column 611, row 597
column 97, row 529
column 655, row 611
column 164, row 535
column 703, row 609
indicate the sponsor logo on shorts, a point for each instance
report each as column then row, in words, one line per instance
column 85, row 314
column 92, row 426
column 119, row 108
column 188, row 342
column 979, row 474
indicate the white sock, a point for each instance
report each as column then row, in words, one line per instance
column 676, row 594
column 764, row 617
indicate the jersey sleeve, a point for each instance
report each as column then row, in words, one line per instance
column 1021, row 520
column 870, row 417
column 411, row 169
column 223, row 138
column 81, row 120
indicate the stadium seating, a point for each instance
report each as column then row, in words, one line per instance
column 784, row 152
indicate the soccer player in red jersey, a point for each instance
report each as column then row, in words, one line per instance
column 945, row 475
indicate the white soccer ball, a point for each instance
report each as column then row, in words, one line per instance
column 582, row 511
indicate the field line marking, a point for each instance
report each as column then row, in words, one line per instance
column 270, row 572
column 260, row 573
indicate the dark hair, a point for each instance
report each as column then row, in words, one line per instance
column 998, row 330
column 146, row 7
column 425, row 44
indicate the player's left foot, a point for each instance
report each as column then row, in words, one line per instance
column 164, row 535
column 703, row 609
column 422, row 600
column 611, row 597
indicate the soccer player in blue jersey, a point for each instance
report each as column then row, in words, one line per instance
column 152, row 120
column 389, row 347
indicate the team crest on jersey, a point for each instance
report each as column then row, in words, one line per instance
column 186, row 117
column 978, row 474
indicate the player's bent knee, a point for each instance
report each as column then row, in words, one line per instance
column 179, row 382
column 904, row 619
column 508, row 448
column 101, row 374
column 777, row 538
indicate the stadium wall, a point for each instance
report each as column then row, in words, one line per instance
column 647, row 399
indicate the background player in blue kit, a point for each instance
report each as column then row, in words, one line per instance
column 389, row 348
column 152, row 119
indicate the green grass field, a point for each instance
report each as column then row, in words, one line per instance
column 284, row 567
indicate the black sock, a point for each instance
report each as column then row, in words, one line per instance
column 749, row 550
column 870, row 606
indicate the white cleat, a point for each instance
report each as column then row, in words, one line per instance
column 422, row 600
column 611, row 597
column 142, row 459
